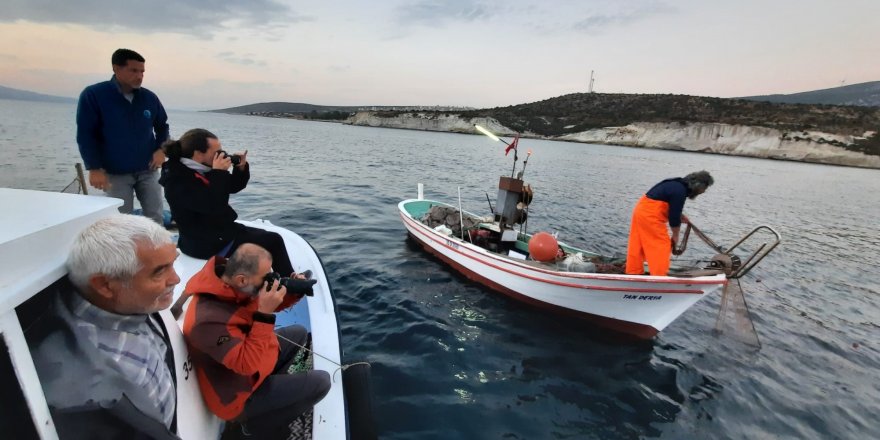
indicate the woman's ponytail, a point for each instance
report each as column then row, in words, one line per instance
column 173, row 149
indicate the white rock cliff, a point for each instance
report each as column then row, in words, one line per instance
column 734, row 140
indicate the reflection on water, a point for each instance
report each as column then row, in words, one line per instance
column 454, row 361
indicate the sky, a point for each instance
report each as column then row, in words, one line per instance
column 208, row 54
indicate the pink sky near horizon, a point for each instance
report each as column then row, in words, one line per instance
column 457, row 52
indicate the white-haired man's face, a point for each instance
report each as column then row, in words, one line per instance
column 152, row 287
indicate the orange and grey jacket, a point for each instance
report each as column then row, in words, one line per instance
column 232, row 345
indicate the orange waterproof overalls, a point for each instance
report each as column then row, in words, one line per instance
column 649, row 238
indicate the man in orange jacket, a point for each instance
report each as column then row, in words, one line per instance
column 648, row 237
column 240, row 363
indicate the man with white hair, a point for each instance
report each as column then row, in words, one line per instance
column 101, row 350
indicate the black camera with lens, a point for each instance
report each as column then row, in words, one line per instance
column 293, row 285
column 235, row 158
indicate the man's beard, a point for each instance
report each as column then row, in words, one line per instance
column 251, row 290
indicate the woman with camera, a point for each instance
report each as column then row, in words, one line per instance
column 197, row 185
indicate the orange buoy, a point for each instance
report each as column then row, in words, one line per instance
column 543, row 247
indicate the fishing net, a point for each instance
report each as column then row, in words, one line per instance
column 449, row 217
column 734, row 319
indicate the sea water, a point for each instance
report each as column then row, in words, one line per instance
column 452, row 360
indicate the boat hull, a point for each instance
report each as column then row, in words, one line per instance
column 639, row 306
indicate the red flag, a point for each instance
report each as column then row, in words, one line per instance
column 512, row 145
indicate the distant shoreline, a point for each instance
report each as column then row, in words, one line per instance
column 771, row 144
column 713, row 138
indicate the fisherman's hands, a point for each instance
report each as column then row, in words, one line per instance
column 98, row 179
column 270, row 297
column 158, row 159
column 685, row 219
column 675, row 250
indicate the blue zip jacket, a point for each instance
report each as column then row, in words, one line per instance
column 674, row 192
column 117, row 135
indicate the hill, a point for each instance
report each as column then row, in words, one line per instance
column 24, row 95
column 299, row 110
column 583, row 111
column 569, row 115
column 864, row 94
column 284, row 107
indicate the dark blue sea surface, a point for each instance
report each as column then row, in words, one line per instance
column 452, row 360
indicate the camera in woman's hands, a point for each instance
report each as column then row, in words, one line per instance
column 235, row 158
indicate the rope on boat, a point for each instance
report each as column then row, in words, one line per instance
column 341, row 367
column 75, row 181
column 80, row 180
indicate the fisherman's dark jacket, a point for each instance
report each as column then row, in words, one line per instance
column 674, row 192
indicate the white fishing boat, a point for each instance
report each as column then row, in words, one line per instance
column 36, row 232
column 497, row 254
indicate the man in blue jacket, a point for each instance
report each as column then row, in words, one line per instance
column 120, row 128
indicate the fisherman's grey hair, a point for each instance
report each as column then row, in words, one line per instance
column 109, row 247
column 246, row 260
column 698, row 181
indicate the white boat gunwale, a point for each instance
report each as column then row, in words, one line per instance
column 719, row 279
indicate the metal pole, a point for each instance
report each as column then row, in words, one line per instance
column 81, row 178
column 513, row 171
column 460, row 213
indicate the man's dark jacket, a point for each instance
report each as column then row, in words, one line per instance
column 115, row 134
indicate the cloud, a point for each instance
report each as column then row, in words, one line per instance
column 440, row 12
column 201, row 18
column 629, row 12
column 247, row 59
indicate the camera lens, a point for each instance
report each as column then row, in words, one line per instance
column 297, row 286
column 293, row 285
column 234, row 158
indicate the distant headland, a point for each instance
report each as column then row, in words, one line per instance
column 24, row 95
column 832, row 126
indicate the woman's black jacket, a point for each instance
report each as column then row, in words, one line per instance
column 200, row 205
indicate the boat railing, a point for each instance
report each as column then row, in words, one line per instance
column 758, row 254
column 726, row 260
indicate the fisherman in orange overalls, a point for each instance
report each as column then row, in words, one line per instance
column 648, row 237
